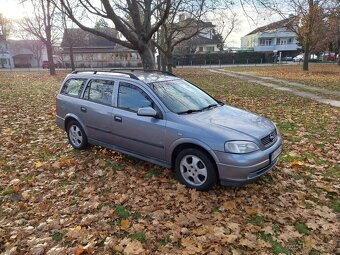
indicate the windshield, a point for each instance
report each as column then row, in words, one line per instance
column 180, row 96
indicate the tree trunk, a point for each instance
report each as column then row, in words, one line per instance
column 72, row 58
column 169, row 61
column 50, row 58
column 306, row 57
column 147, row 56
column 162, row 61
column 338, row 53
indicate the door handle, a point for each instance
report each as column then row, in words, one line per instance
column 118, row 118
column 83, row 109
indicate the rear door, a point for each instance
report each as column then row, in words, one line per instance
column 96, row 109
column 138, row 134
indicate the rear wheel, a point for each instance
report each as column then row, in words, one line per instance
column 76, row 135
column 195, row 169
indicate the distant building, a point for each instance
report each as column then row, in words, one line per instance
column 27, row 53
column 275, row 37
column 203, row 42
column 92, row 51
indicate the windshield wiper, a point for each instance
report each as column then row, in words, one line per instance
column 189, row 111
column 209, row 107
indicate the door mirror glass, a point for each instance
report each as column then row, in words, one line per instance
column 147, row 112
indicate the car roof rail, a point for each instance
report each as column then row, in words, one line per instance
column 144, row 70
column 132, row 76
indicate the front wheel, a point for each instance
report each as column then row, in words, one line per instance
column 195, row 169
column 76, row 135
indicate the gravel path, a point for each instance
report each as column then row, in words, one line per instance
column 265, row 81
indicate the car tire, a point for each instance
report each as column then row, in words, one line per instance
column 195, row 169
column 76, row 135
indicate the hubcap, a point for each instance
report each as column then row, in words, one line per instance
column 76, row 136
column 193, row 170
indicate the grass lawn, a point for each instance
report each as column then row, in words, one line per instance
column 97, row 201
column 325, row 76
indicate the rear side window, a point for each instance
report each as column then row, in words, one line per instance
column 73, row 87
column 99, row 91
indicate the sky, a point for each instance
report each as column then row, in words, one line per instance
column 13, row 10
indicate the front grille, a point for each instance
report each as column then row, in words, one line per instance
column 269, row 138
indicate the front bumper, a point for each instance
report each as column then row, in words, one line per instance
column 238, row 169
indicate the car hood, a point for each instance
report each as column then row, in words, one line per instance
column 227, row 117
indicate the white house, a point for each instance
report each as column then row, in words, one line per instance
column 6, row 60
column 275, row 37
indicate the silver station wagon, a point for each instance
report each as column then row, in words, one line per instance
column 161, row 118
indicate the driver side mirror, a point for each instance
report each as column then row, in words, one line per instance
column 147, row 112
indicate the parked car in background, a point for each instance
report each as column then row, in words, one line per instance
column 298, row 58
column 46, row 64
column 287, row 58
column 330, row 57
column 161, row 118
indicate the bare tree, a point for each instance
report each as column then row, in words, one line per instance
column 183, row 23
column 5, row 27
column 40, row 25
column 36, row 47
column 225, row 22
column 69, row 39
column 133, row 18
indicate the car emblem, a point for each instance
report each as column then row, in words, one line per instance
column 271, row 137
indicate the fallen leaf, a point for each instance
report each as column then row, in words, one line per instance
column 251, row 211
column 79, row 251
column 38, row 164
column 229, row 205
column 124, row 224
column 296, row 164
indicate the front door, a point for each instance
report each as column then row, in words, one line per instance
column 138, row 134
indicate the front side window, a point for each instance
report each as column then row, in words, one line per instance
column 132, row 98
column 180, row 96
column 100, row 91
column 73, row 87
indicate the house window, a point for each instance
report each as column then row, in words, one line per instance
column 283, row 41
column 265, row 42
column 268, row 42
column 200, row 49
column 210, row 49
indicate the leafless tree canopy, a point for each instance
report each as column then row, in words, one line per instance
column 5, row 27
column 133, row 18
column 40, row 25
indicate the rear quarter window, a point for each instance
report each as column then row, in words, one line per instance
column 73, row 87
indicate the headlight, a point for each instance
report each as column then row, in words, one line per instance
column 240, row 147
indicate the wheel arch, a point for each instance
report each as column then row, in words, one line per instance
column 196, row 145
column 71, row 117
